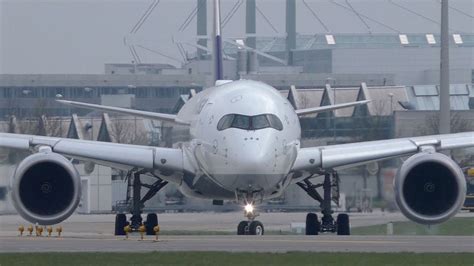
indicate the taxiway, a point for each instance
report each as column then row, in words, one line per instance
column 94, row 233
column 280, row 243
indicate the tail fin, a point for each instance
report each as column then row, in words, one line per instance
column 218, row 68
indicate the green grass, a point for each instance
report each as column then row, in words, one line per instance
column 453, row 227
column 226, row 258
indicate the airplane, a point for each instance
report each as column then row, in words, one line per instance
column 244, row 146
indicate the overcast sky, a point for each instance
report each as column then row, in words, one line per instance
column 79, row 36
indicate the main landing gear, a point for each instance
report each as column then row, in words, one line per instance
column 250, row 227
column 135, row 203
column 330, row 187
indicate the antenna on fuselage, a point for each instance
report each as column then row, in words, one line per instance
column 217, row 47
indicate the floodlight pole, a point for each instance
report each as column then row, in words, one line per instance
column 445, row 108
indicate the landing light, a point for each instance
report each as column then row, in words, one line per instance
column 249, row 208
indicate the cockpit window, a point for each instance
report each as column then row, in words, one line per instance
column 275, row 122
column 260, row 121
column 241, row 121
column 249, row 122
column 225, row 122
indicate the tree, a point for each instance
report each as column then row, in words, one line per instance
column 125, row 131
column 458, row 124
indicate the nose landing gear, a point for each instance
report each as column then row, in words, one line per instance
column 250, row 227
column 330, row 187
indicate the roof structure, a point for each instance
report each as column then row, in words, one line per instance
column 384, row 99
column 358, row 40
column 426, row 97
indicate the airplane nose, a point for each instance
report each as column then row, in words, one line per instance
column 254, row 159
column 253, row 155
column 257, row 161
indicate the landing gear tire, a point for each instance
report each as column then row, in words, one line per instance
column 256, row 228
column 242, row 228
column 343, row 227
column 312, row 224
column 151, row 222
column 120, row 223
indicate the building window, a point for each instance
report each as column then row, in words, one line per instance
column 330, row 39
column 457, row 39
column 142, row 92
column 3, row 193
column 430, row 38
column 403, row 39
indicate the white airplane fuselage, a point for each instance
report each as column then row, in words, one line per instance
column 246, row 154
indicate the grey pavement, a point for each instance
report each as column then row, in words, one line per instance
column 95, row 233
column 322, row 243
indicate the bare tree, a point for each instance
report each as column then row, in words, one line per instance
column 458, row 124
column 29, row 126
column 304, row 101
column 374, row 126
column 36, row 123
column 4, row 126
column 53, row 126
column 125, row 132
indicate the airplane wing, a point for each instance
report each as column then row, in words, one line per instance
column 120, row 156
column 145, row 114
column 347, row 155
column 321, row 109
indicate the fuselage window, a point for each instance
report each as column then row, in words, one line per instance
column 249, row 122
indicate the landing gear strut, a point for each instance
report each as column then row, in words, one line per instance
column 330, row 187
column 135, row 204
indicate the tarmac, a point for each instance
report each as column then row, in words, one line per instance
column 94, row 233
column 231, row 243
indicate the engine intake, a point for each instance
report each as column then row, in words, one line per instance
column 430, row 188
column 46, row 188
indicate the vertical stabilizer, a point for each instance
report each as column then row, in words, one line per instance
column 218, row 69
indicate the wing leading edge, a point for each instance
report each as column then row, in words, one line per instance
column 144, row 114
column 321, row 109
column 351, row 154
column 121, row 156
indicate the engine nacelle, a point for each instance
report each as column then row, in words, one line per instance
column 430, row 188
column 46, row 188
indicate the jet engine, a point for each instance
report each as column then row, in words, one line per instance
column 429, row 188
column 46, row 188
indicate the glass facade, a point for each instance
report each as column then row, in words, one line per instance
column 320, row 41
column 28, row 101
